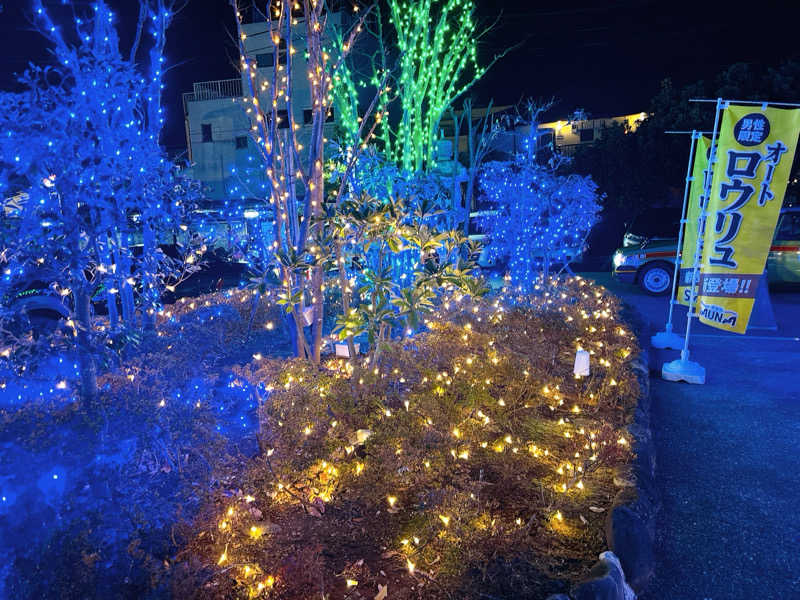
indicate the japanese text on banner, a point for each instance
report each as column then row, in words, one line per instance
column 755, row 152
column 695, row 205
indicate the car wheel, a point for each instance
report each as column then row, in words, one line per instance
column 656, row 278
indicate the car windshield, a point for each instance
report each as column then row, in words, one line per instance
column 789, row 227
column 657, row 222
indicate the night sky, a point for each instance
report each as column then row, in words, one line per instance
column 606, row 57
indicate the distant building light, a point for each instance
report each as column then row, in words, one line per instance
column 251, row 214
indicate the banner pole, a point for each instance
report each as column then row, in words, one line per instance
column 683, row 369
column 666, row 338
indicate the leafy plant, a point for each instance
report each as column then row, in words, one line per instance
column 398, row 267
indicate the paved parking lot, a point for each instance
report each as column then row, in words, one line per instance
column 727, row 455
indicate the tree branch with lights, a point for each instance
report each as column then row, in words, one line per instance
column 301, row 252
column 540, row 218
column 83, row 142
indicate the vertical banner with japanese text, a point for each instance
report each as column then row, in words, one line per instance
column 755, row 152
column 694, row 208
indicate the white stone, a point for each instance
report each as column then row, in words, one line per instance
column 610, row 557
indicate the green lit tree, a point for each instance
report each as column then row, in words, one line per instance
column 428, row 51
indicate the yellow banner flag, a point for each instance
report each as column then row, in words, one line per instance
column 694, row 206
column 755, row 152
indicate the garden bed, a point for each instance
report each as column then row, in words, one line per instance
column 90, row 496
column 466, row 462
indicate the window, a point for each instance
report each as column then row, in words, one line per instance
column 587, row 135
column 283, row 119
column 282, row 52
column 206, row 128
column 241, row 142
column 789, row 227
column 265, row 60
column 308, row 116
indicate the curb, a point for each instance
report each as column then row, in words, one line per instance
column 630, row 525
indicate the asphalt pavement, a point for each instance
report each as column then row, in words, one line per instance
column 727, row 457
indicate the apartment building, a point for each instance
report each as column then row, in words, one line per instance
column 221, row 153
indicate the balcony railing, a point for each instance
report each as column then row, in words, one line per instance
column 212, row 90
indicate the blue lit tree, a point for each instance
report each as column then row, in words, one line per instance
column 164, row 199
column 540, row 218
column 82, row 143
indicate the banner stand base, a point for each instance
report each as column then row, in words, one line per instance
column 666, row 339
column 684, row 370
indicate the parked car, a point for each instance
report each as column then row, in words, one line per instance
column 34, row 305
column 651, row 263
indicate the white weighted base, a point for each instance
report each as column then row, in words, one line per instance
column 667, row 339
column 680, row 370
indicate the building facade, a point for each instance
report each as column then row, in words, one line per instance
column 221, row 154
column 568, row 135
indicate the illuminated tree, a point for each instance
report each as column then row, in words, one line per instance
column 430, row 57
column 540, row 218
column 166, row 197
column 293, row 168
column 82, row 143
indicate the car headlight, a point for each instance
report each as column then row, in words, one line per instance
column 619, row 259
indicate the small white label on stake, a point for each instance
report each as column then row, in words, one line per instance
column 581, row 363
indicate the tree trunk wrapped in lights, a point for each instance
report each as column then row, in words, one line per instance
column 434, row 63
column 299, row 249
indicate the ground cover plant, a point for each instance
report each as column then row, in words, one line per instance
column 467, row 462
column 91, row 498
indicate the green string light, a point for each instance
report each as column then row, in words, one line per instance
column 436, row 41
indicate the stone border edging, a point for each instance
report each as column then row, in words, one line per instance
column 630, row 524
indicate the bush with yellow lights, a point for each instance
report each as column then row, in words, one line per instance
column 468, row 455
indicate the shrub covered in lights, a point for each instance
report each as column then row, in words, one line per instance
column 540, row 217
column 393, row 253
column 465, row 459
column 393, row 267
